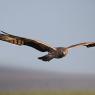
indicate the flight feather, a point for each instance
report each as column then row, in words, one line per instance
column 39, row 45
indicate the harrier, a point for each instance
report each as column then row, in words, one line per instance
column 53, row 52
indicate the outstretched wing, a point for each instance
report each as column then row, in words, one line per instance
column 41, row 46
column 87, row 44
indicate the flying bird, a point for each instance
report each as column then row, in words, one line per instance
column 53, row 52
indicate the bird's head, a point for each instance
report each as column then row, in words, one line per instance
column 65, row 51
column 61, row 51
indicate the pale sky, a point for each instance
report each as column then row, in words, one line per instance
column 57, row 22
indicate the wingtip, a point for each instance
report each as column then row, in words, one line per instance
column 3, row 32
column 88, row 46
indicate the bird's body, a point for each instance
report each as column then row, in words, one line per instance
column 59, row 52
column 53, row 52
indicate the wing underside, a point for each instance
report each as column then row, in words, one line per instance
column 87, row 44
column 39, row 45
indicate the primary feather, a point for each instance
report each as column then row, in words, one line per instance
column 39, row 45
column 87, row 44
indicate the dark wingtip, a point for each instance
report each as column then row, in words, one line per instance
column 88, row 46
column 92, row 45
column 3, row 32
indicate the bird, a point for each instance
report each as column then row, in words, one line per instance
column 53, row 52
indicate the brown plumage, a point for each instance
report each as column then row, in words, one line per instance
column 53, row 52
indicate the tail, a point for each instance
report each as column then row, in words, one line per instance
column 46, row 58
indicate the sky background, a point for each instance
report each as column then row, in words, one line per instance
column 57, row 22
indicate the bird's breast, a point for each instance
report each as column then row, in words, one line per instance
column 60, row 53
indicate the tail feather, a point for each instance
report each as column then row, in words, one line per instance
column 45, row 58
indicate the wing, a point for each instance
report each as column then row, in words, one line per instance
column 39, row 45
column 87, row 44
